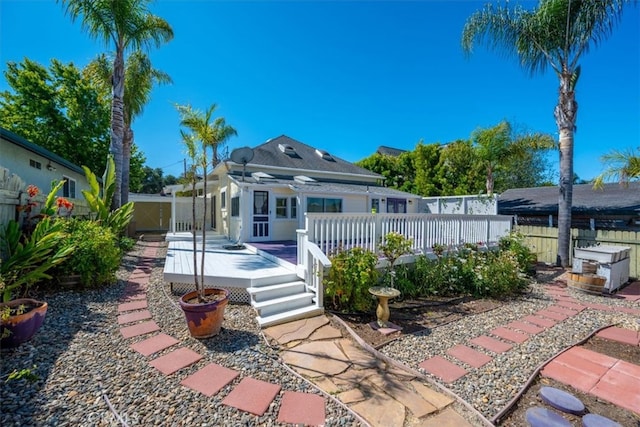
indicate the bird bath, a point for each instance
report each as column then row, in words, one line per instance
column 383, row 293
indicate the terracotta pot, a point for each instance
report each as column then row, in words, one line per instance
column 205, row 319
column 22, row 327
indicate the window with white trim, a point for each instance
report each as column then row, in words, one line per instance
column 235, row 206
column 281, row 207
column 319, row 204
column 294, row 207
column 69, row 188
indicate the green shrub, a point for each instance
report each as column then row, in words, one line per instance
column 96, row 257
column 352, row 273
column 126, row 244
column 514, row 242
column 499, row 275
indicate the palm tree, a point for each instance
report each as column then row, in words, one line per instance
column 127, row 24
column 621, row 165
column 497, row 145
column 555, row 34
column 212, row 134
column 140, row 78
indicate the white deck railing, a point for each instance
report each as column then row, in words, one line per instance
column 326, row 233
column 331, row 232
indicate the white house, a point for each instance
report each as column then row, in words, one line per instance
column 262, row 193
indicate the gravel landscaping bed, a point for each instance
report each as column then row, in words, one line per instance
column 88, row 375
column 491, row 387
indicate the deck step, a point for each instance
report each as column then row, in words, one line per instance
column 282, row 304
column 274, row 279
column 288, row 316
column 263, row 293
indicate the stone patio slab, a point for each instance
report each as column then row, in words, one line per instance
column 381, row 411
column 437, row 399
column 316, row 358
column 448, row 418
column 296, row 330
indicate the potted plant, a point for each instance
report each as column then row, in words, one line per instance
column 204, row 307
column 25, row 258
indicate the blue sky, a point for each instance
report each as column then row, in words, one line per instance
column 345, row 77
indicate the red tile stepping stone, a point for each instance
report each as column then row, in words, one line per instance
column 509, row 334
column 134, row 316
column 620, row 389
column 210, row 379
column 443, row 369
column 176, row 360
column 134, row 296
column 630, row 292
column 491, row 344
column 629, row 310
column 139, row 280
column 595, row 420
column 571, row 305
column 552, row 315
column 595, row 306
column 568, row 375
column 543, row 417
column 540, row 321
column 586, row 360
column 139, row 329
column 626, row 336
column 562, row 310
column 529, row 328
column 302, row 409
column 133, row 305
column 252, row 396
column 469, row 356
column 154, row 344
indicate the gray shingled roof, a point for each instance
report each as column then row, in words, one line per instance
column 332, row 187
column 389, row 151
column 612, row 199
column 306, row 158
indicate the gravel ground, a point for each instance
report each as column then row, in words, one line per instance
column 491, row 387
column 88, row 376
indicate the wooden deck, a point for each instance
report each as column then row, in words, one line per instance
column 234, row 269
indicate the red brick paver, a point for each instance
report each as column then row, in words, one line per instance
column 552, row 315
column 210, row 379
column 571, row 305
column 176, row 360
column 302, row 409
column 133, row 305
column 527, row 327
column 443, row 369
column 469, row 356
column 139, row 329
column 630, row 292
column 562, row 310
column 626, row 336
column 540, row 321
column 582, row 381
column 509, row 334
column 154, row 344
column 491, row 344
column 252, row 395
column 134, row 316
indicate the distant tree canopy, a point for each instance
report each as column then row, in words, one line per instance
column 493, row 159
column 63, row 110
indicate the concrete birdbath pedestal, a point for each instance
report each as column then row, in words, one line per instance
column 384, row 293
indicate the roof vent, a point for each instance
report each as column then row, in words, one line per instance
column 325, row 155
column 261, row 176
column 302, row 179
column 287, row 149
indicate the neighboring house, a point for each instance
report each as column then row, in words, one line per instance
column 389, row 151
column 39, row 166
column 266, row 199
column 614, row 207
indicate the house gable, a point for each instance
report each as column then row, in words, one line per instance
column 291, row 157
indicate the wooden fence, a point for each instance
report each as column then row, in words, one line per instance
column 544, row 242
